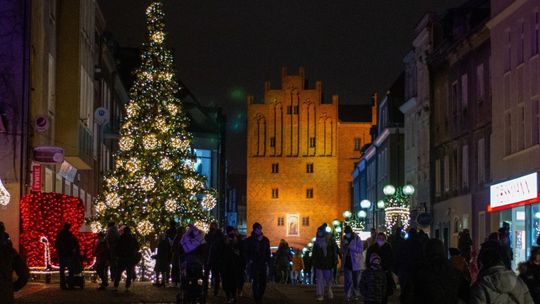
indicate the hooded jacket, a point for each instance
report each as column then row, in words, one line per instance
column 498, row 285
column 192, row 239
column 354, row 249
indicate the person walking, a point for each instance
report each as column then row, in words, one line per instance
column 283, row 258
column 308, row 265
column 128, row 256
column 531, row 274
column 460, row 263
column 67, row 249
column 351, row 251
column 176, row 253
column 111, row 237
column 297, row 266
column 10, row 262
column 214, row 263
column 4, row 236
column 163, row 261
column 384, row 251
column 465, row 243
column 373, row 282
column 496, row 284
column 324, row 258
column 436, row 280
column 102, row 254
column 233, row 268
column 258, row 257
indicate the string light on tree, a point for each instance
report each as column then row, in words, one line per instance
column 153, row 182
column 112, row 199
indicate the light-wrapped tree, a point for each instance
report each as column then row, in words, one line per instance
column 154, row 178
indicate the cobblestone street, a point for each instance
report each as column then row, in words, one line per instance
column 146, row 293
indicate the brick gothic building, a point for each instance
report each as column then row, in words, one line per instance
column 301, row 152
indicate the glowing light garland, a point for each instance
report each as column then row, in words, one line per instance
column 208, row 202
column 396, row 217
column 4, row 195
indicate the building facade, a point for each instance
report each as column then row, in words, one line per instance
column 416, row 111
column 461, row 124
column 299, row 157
column 514, row 29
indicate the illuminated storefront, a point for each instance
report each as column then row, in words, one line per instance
column 516, row 202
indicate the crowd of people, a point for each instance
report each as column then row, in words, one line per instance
column 424, row 270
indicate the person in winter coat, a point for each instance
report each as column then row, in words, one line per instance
column 496, row 284
column 11, row 261
column 297, row 266
column 232, row 270
column 465, row 243
column 408, row 261
column 215, row 262
column 436, row 280
column 4, row 236
column 324, row 258
column 531, row 274
column 102, row 254
column 384, row 251
column 374, row 282
column 176, row 253
column 128, row 255
column 67, row 248
column 308, row 264
column 258, row 257
column 283, row 258
column 163, row 261
column 351, row 252
column 111, row 237
column 460, row 263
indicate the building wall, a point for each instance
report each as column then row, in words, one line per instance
column 516, row 91
column 276, row 135
column 14, row 58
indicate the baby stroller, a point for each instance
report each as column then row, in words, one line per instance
column 192, row 278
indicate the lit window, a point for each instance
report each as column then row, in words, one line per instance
column 275, row 192
column 280, row 221
column 309, row 193
column 309, row 168
column 305, row 221
column 275, row 168
column 312, row 142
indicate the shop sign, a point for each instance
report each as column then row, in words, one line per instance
column 36, row 177
column 516, row 192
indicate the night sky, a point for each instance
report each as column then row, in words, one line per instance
column 226, row 49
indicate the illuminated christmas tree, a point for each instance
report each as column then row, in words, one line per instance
column 154, row 178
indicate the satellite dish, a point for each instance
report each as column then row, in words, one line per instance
column 101, row 116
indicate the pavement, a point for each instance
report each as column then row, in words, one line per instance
column 144, row 292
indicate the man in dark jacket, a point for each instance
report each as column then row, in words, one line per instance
column 128, row 251
column 436, row 280
column 11, row 261
column 102, row 254
column 67, row 249
column 258, row 257
column 214, row 264
column 4, row 236
column 531, row 274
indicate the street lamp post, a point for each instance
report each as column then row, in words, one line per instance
column 396, row 206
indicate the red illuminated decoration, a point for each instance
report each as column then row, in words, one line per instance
column 43, row 216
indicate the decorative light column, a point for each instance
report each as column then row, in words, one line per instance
column 396, row 206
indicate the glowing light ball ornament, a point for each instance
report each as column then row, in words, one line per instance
column 144, row 227
column 4, row 195
column 126, row 143
column 208, row 202
column 96, row 227
column 147, row 183
column 202, row 226
column 133, row 164
column 166, row 163
column 150, row 142
column 179, row 143
column 173, row 109
column 158, row 37
column 170, row 205
column 366, row 204
column 190, row 183
column 112, row 200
